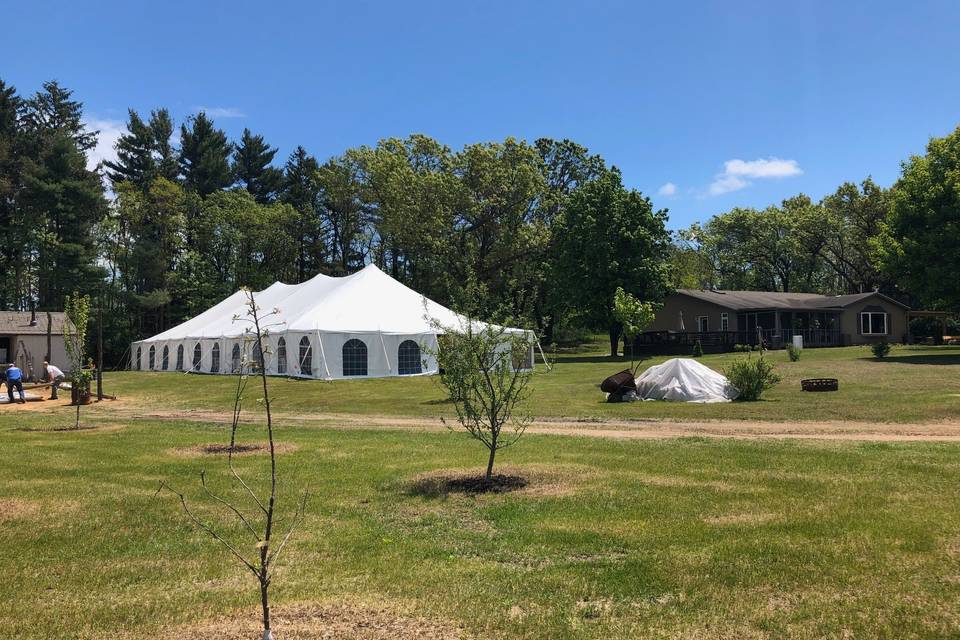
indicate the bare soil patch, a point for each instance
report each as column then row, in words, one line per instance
column 220, row 449
column 534, row 480
column 326, row 622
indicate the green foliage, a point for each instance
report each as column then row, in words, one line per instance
column 793, row 352
column 880, row 349
column 697, row 349
column 741, row 348
column 752, row 376
column 252, row 169
column 204, row 156
column 610, row 237
column 77, row 311
column 481, row 371
column 919, row 247
column 632, row 314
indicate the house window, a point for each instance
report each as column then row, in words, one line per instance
column 306, row 357
column 873, row 323
column 235, row 359
column 354, row 358
column 703, row 324
column 139, row 355
column 281, row 356
column 408, row 358
column 724, row 322
column 214, row 359
column 153, row 358
column 179, row 357
column 198, row 354
column 165, row 360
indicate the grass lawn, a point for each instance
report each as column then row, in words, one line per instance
column 678, row 538
column 654, row 539
column 915, row 384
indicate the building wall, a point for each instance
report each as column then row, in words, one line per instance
column 28, row 353
column 896, row 321
column 668, row 317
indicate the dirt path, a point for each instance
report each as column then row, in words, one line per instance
column 626, row 429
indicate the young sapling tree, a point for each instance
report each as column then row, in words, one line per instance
column 633, row 315
column 258, row 526
column 77, row 310
column 484, row 369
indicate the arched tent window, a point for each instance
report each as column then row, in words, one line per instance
column 281, row 356
column 197, row 355
column 235, row 359
column 408, row 358
column 215, row 359
column 179, row 357
column 354, row 358
column 306, row 357
column 165, row 360
column 139, row 355
column 152, row 358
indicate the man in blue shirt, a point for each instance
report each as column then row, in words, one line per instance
column 15, row 381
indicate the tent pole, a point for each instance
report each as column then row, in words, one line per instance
column 549, row 368
column 385, row 356
column 323, row 354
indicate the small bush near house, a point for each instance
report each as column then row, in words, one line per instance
column 697, row 349
column 741, row 348
column 880, row 349
column 793, row 352
column 752, row 377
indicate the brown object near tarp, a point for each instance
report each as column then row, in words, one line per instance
column 619, row 382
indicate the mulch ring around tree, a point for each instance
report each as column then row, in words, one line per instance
column 326, row 622
column 239, row 449
column 534, row 480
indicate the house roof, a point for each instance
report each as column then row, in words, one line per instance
column 744, row 300
column 18, row 323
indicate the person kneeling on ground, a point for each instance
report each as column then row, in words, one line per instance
column 55, row 377
column 15, row 381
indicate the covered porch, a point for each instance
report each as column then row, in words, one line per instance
column 776, row 328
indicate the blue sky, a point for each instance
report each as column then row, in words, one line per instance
column 731, row 103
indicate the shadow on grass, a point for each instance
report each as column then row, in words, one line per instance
column 953, row 358
column 440, row 486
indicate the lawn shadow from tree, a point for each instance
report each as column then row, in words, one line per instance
column 440, row 486
column 953, row 358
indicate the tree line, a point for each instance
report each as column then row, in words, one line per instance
column 903, row 241
column 545, row 231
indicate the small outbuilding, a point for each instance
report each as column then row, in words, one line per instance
column 28, row 338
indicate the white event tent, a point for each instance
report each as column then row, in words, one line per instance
column 364, row 324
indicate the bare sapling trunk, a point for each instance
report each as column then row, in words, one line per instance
column 260, row 526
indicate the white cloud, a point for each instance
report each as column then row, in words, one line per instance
column 668, row 189
column 221, row 112
column 110, row 132
column 738, row 174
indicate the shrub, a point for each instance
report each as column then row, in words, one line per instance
column 741, row 348
column 697, row 349
column 752, row 377
column 880, row 349
column 793, row 352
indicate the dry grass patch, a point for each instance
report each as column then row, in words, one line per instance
column 734, row 519
column 326, row 622
column 17, row 508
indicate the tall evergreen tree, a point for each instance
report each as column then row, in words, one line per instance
column 53, row 111
column 144, row 152
column 300, row 190
column 251, row 166
column 204, row 156
column 11, row 242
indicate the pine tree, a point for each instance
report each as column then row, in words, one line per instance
column 204, row 156
column 135, row 162
column 300, row 191
column 252, row 168
column 10, row 248
column 51, row 111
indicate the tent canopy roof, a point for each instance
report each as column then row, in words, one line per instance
column 369, row 301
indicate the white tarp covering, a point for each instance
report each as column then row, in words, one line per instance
column 684, row 380
column 365, row 324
